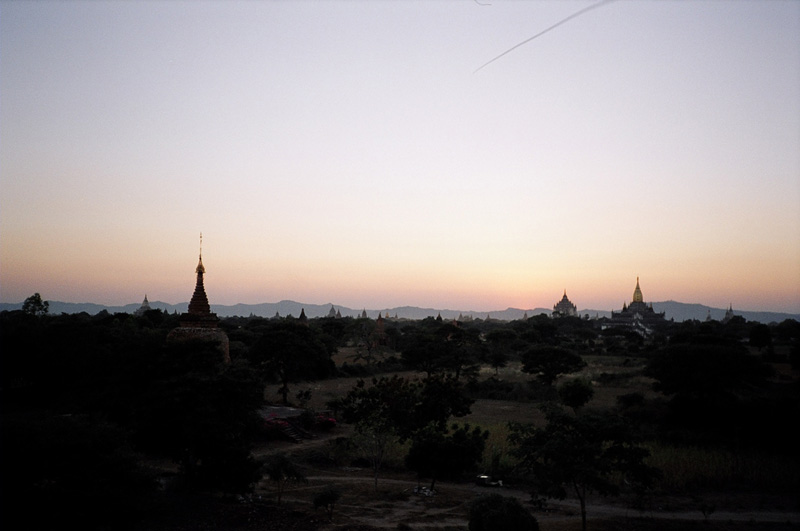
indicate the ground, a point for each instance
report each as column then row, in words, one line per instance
column 395, row 506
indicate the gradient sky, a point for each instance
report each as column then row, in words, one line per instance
column 348, row 152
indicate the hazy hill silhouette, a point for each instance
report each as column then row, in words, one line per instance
column 679, row 311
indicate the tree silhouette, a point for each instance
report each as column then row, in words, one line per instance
column 34, row 305
column 548, row 363
column 395, row 409
column 715, row 389
column 71, row 472
column 327, row 498
column 583, row 453
column 435, row 453
column 290, row 352
column 281, row 470
column 500, row 513
column 380, row 413
column 202, row 413
column 576, row 393
column 435, row 346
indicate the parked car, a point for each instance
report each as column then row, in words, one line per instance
column 488, row 481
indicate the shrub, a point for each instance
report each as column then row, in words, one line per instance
column 327, row 499
column 500, row 513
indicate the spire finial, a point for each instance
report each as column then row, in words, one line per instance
column 200, row 268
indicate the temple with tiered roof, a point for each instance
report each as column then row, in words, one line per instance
column 565, row 308
column 637, row 315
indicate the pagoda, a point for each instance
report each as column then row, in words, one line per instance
column 728, row 314
column 145, row 307
column 565, row 308
column 637, row 315
column 198, row 323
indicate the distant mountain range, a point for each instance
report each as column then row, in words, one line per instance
column 678, row 311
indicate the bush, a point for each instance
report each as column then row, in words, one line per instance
column 356, row 369
column 575, row 393
column 500, row 513
column 495, row 389
column 491, row 388
column 70, row 472
column 327, row 499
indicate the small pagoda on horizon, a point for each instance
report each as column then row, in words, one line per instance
column 198, row 323
column 144, row 308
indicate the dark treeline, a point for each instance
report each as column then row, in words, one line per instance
column 88, row 401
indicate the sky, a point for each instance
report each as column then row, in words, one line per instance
column 355, row 153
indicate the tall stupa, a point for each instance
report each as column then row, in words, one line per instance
column 198, row 323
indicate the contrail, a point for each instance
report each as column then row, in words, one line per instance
column 557, row 24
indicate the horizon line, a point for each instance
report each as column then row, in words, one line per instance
column 389, row 308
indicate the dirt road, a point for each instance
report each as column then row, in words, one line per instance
column 399, row 504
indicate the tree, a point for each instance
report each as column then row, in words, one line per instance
column 419, row 347
column 290, row 352
column 435, row 453
column 576, row 393
column 500, row 341
column 460, row 350
column 705, row 368
column 582, row 453
column 439, row 397
column 395, row 409
column 380, row 414
column 548, row 363
column 500, row 513
column 434, row 346
column 327, row 498
column 202, row 413
column 70, row 472
column 282, row 470
column 366, row 336
column 538, row 329
column 333, row 332
column 34, row 305
column 713, row 385
column 787, row 330
column 760, row 336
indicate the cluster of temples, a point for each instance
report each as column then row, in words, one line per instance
column 200, row 324
column 637, row 315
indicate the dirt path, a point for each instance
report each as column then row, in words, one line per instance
column 450, row 507
column 421, row 512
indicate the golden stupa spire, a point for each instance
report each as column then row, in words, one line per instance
column 637, row 293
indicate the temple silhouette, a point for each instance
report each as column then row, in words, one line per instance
column 565, row 308
column 198, row 323
column 638, row 315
